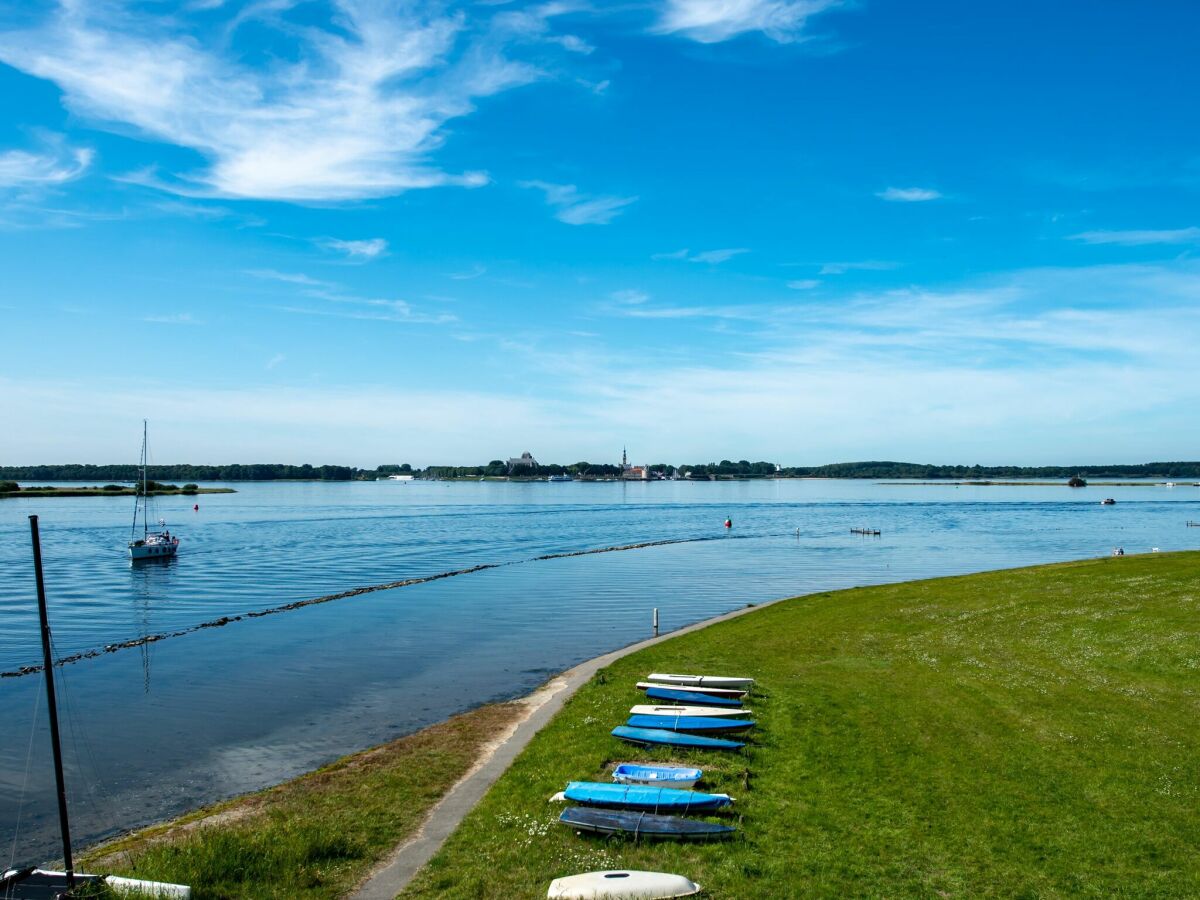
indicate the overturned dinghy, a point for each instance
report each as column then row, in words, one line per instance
column 708, row 681
column 669, row 738
column 678, row 695
column 712, row 712
column 643, row 797
column 670, row 776
column 701, row 724
column 32, row 883
column 621, row 884
column 720, row 692
column 642, row 824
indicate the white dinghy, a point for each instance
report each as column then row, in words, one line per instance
column 712, row 681
column 732, row 693
column 621, row 884
column 713, row 712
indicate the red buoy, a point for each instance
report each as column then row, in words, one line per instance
column 729, row 523
column 195, row 507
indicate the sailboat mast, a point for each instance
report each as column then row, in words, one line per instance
column 52, row 705
column 145, row 498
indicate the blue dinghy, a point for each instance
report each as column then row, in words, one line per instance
column 700, row 724
column 641, row 824
column 640, row 796
column 691, row 698
column 673, row 738
column 670, row 776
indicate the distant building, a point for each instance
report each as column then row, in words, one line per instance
column 524, row 461
column 633, row 473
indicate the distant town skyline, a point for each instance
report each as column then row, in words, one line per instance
column 806, row 232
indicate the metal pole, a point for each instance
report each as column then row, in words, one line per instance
column 51, row 704
column 656, row 621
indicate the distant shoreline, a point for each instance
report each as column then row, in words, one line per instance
column 101, row 492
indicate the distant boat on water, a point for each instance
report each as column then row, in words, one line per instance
column 159, row 544
column 560, row 478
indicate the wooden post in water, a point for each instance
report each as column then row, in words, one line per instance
column 52, row 705
column 656, row 621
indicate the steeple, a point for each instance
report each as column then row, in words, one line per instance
column 624, row 459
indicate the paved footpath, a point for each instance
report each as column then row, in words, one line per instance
column 393, row 876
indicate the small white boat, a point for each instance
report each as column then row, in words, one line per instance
column 710, row 711
column 152, row 544
column 33, row 882
column 714, row 681
column 620, row 884
column 559, row 478
column 715, row 691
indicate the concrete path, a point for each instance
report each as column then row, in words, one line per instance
column 394, row 875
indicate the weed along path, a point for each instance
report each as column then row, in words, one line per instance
column 1022, row 732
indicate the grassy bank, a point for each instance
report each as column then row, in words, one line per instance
column 1021, row 733
column 316, row 836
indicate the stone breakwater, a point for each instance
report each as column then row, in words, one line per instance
column 328, row 598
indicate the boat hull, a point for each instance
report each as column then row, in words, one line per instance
column 711, row 712
column 643, row 797
column 697, row 724
column 717, row 681
column 642, row 825
column 670, row 776
column 733, row 693
column 620, row 884
column 666, row 738
column 671, row 695
column 140, row 550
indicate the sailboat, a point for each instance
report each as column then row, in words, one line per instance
column 152, row 544
column 31, row 882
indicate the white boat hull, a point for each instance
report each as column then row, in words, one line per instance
column 715, row 681
column 712, row 712
column 621, row 884
column 153, row 549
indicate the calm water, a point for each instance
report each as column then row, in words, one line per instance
column 152, row 731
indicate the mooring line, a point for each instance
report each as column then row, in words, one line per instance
column 327, row 598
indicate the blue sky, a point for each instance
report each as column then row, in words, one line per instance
column 368, row 231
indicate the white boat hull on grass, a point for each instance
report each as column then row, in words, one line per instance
column 716, row 692
column 621, row 884
column 707, row 711
column 712, row 681
column 40, row 882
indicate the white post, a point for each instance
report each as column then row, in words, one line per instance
column 656, row 621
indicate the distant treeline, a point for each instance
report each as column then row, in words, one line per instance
column 183, row 472
column 498, row 468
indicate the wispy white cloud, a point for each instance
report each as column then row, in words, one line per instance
column 630, row 297
column 576, row 208
column 712, row 21
column 173, row 319
column 275, row 361
column 1141, row 238
column 909, row 195
column 803, row 284
column 353, row 109
column 341, row 302
column 869, row 265
column 713, row 257
column 361, row 250
column 55, row 164
column 474, row 272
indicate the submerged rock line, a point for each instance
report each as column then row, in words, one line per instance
column 327, row 598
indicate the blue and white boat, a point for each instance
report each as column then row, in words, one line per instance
column 641, row 796
column 679, row 696
column 666, row 738
column 698, row 724
column 672, row 776
column 711, row 712
column 696, row 689
column 727, row 682
column 641, row 824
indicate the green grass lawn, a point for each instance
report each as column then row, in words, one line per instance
column 1026, row 733
column 316, row 836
